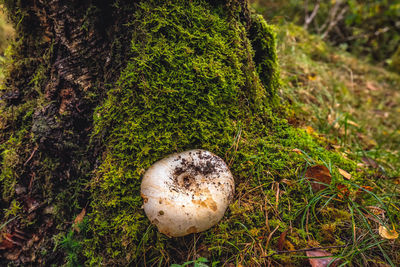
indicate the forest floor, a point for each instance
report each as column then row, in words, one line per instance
column 350, row 102
column 353, row 106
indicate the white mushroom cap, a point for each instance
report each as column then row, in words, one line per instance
column 187, row 192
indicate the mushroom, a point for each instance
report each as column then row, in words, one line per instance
column 187, row 192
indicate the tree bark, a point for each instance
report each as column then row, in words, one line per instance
column 66, row 57
column 65, row 52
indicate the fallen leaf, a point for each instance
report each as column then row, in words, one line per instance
column 79, row 219
column 345, row 174
column 310, row 130
column 281, row 240
column 337, row 147
column 343, row 191
column 319, row 175
column 371, row 86
column 370, row 162
column 13, row 255
column 360, row 165
column 6, row 241
column 320, row 262
column 353, row 123
column 368, row 188
column 296, row 150
column 387, row 233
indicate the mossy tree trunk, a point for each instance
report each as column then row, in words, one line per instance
column 64, row 54
column 78, row 71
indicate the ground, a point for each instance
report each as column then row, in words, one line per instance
column 197, row 78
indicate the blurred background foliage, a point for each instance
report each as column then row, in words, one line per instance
column 6, row 35
column 369, row 28
column 6, row 31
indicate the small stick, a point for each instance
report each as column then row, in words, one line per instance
column 31, row 156
column 303, row 250
column 277, row 196
column 269, row 237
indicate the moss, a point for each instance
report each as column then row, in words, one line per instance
column 183, row 88
column 196, row 77
column 13, row 148
column 263, row 40
column 8, row 177
column 195, row 80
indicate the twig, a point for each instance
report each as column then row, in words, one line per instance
column 277, row 196
column 334, row 20
column 269, row 237
column 309, row 19
column 367, row 35
column 31, row 156
column 303, row 250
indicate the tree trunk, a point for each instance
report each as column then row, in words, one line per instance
column 97, row 91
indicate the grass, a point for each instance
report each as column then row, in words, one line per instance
column 344, row 98
column 354, row 105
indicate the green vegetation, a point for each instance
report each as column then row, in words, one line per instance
column 364, row 27
column 352, row 103
column 6, row 35
column 174, row 96
column 6, row 31
column 199, row 77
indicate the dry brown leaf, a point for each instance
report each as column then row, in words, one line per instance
column 79, row 219
column 343, row 191
column 371, row 86
column 345, row 174
column 281, row 240
column 370, row 162
column 353, row 123
column 360, row 165
column 318, row 175
column 6, row 241
column 320, row 262
column 387, row 233
column 337, row 147
column 13, row 255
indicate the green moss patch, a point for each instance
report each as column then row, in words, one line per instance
column 196, row 80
